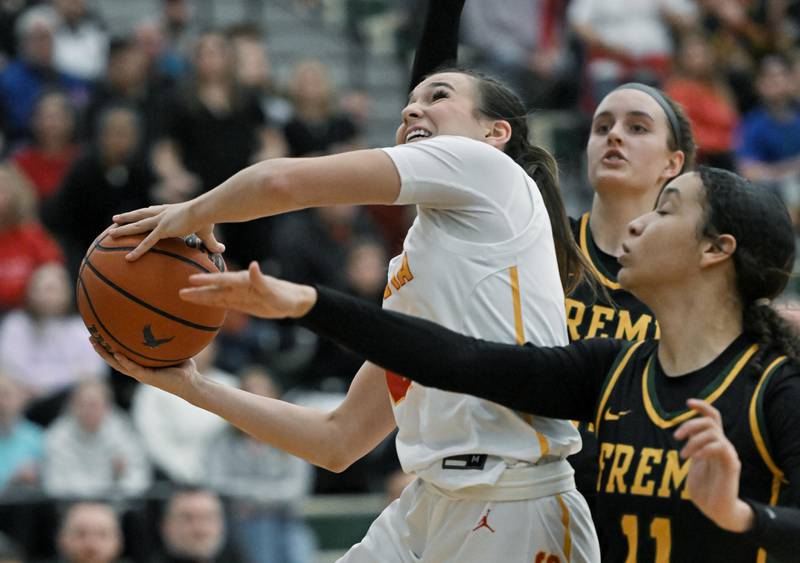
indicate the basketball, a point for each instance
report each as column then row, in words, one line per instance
column 134, row 307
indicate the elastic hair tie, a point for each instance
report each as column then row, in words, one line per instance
column 658, row 96
column 762, row 302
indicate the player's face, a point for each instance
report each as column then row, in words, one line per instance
column 663, row 250
column 628, row 144
column 443, row 104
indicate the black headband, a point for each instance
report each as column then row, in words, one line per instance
column 661, row 100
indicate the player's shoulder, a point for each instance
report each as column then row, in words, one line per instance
column 462, row 149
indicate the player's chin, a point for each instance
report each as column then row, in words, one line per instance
column 626, row 277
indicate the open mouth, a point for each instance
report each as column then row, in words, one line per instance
column 613, row 156
column 417, row 133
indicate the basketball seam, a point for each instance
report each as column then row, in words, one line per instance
column 147, row 305
column 155, row 251
column 82, row 285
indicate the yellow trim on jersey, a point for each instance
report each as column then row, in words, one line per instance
column 601, row 407
column 761, row 557
column 519, row 328
column 544, row 445
column 584, row 242
column 761, row 444
column 565, row 521
column 686, row 415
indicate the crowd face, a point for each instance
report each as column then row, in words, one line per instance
column 193, row 526
column 53, row 121
column 663, row 248
column 628, row 145
column 90, row 406
column 37, row 44
column 49, row 291
column 119, row 136
column 775, row 85
column 213, row 58
column 90, row 534
column 443, row 104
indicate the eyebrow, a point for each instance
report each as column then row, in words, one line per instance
column 635, row 113
column 433, row 85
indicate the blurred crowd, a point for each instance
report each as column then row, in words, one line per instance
column 93, row 466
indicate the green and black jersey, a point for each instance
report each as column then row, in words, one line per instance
column 644, row 512
column 591, row 315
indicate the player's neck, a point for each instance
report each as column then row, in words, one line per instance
column 695, row 329
column 611, row 215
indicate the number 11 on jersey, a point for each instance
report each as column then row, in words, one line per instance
column 659, row 531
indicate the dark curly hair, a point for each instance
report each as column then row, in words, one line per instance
column 759, row 221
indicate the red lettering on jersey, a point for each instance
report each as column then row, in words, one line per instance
column 398, row 386
column 543, row 557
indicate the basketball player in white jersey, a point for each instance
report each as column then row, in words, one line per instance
column 481, row 259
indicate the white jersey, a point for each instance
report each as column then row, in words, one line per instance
column 479, row 259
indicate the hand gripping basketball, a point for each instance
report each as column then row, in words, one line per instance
column 251, row 292
column 164, row 221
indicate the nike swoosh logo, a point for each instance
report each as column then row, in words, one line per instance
column 610, row 416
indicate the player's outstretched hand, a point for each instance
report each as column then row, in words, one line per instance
column 176, row 380
column 251, row 292
column 714, row 471
column 164, row 221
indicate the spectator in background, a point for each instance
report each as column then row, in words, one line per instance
column 264, row 486
column 90, row 533
column 110, row 177
column 254, row 71
column 214, row 129
column 10, row 10
column 317, row 127
column 533, row 56
column 741, row 33
column 627, row 41
column 128, row 82
column 193, row 529
column 769, row 138
column 20, row 441
column 45, row 160
column 176, row 434
column 33, row 72
column 703, row 92
column 81, row 42
column 180, row 34
column 44, row 345
column 312, row 247
column 92, row 450
column 24, row 243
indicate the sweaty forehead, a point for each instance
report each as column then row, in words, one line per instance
column 622, row 102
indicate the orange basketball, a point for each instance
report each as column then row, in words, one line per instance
column 134, row 307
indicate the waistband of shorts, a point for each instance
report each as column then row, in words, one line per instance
column 525, row 482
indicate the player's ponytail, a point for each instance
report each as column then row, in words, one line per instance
column 497, row 101
column 764, row 255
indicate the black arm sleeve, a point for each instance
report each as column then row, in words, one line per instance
column 557, row 382
column 439, row 41
column 777, row 528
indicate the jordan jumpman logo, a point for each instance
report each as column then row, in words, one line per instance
column 484, row 523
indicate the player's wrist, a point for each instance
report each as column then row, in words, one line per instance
column 739, row 519
column 305, row 301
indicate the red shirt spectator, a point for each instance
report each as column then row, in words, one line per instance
column 23, row 248
column 45, row 170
